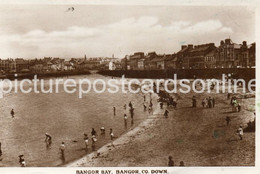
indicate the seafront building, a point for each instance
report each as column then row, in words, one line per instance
column 227, row 55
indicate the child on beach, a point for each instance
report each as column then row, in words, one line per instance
column 22, row 161
column 181, row 164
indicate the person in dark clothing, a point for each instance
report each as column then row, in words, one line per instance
column 171, row 162
column 132, row 112
column 228, row 96
column 93, row 132
column 161, row 105
column 22, row 161
column 12, row 113
column 210, row 102
column 194, row 102
column 228, row 120
column 203, row 103
column 166, row 113
column 1, row 149
column 213, row 102
column 239, row 107
column 130, row 105
column 114, row 109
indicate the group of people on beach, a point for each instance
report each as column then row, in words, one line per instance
column 208, row 102
column 171, row 162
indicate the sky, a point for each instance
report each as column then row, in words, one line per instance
column 35, row 31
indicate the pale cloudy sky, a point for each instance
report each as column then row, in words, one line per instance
column 31, row 31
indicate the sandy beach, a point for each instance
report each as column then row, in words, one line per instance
column 198, row 136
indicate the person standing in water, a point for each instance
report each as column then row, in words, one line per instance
column 103, row 130
column 111, row 134
column 132, row 113
column 125, row 118
column 62, row 149
column 130, row 105
column 12, row 113
column 86, row 140
column 144, row 107
column 48, row 140
column 114, row 109
column 93, row 132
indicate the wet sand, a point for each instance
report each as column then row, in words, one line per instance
column 198, row 136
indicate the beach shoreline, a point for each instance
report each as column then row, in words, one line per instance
column 198, row 136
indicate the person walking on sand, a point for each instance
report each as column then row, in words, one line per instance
column 170, row 162
column 86, row 140
column 125, row 107
column 144, row 98
column 12, row 113
column 62, row 149
column 166, row 113
column 240, row 132
column 114, row 109
column 228, row 120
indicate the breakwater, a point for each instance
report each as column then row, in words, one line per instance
column 12, row 76
column 243, row 73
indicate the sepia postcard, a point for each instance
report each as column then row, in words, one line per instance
column 129, row 87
